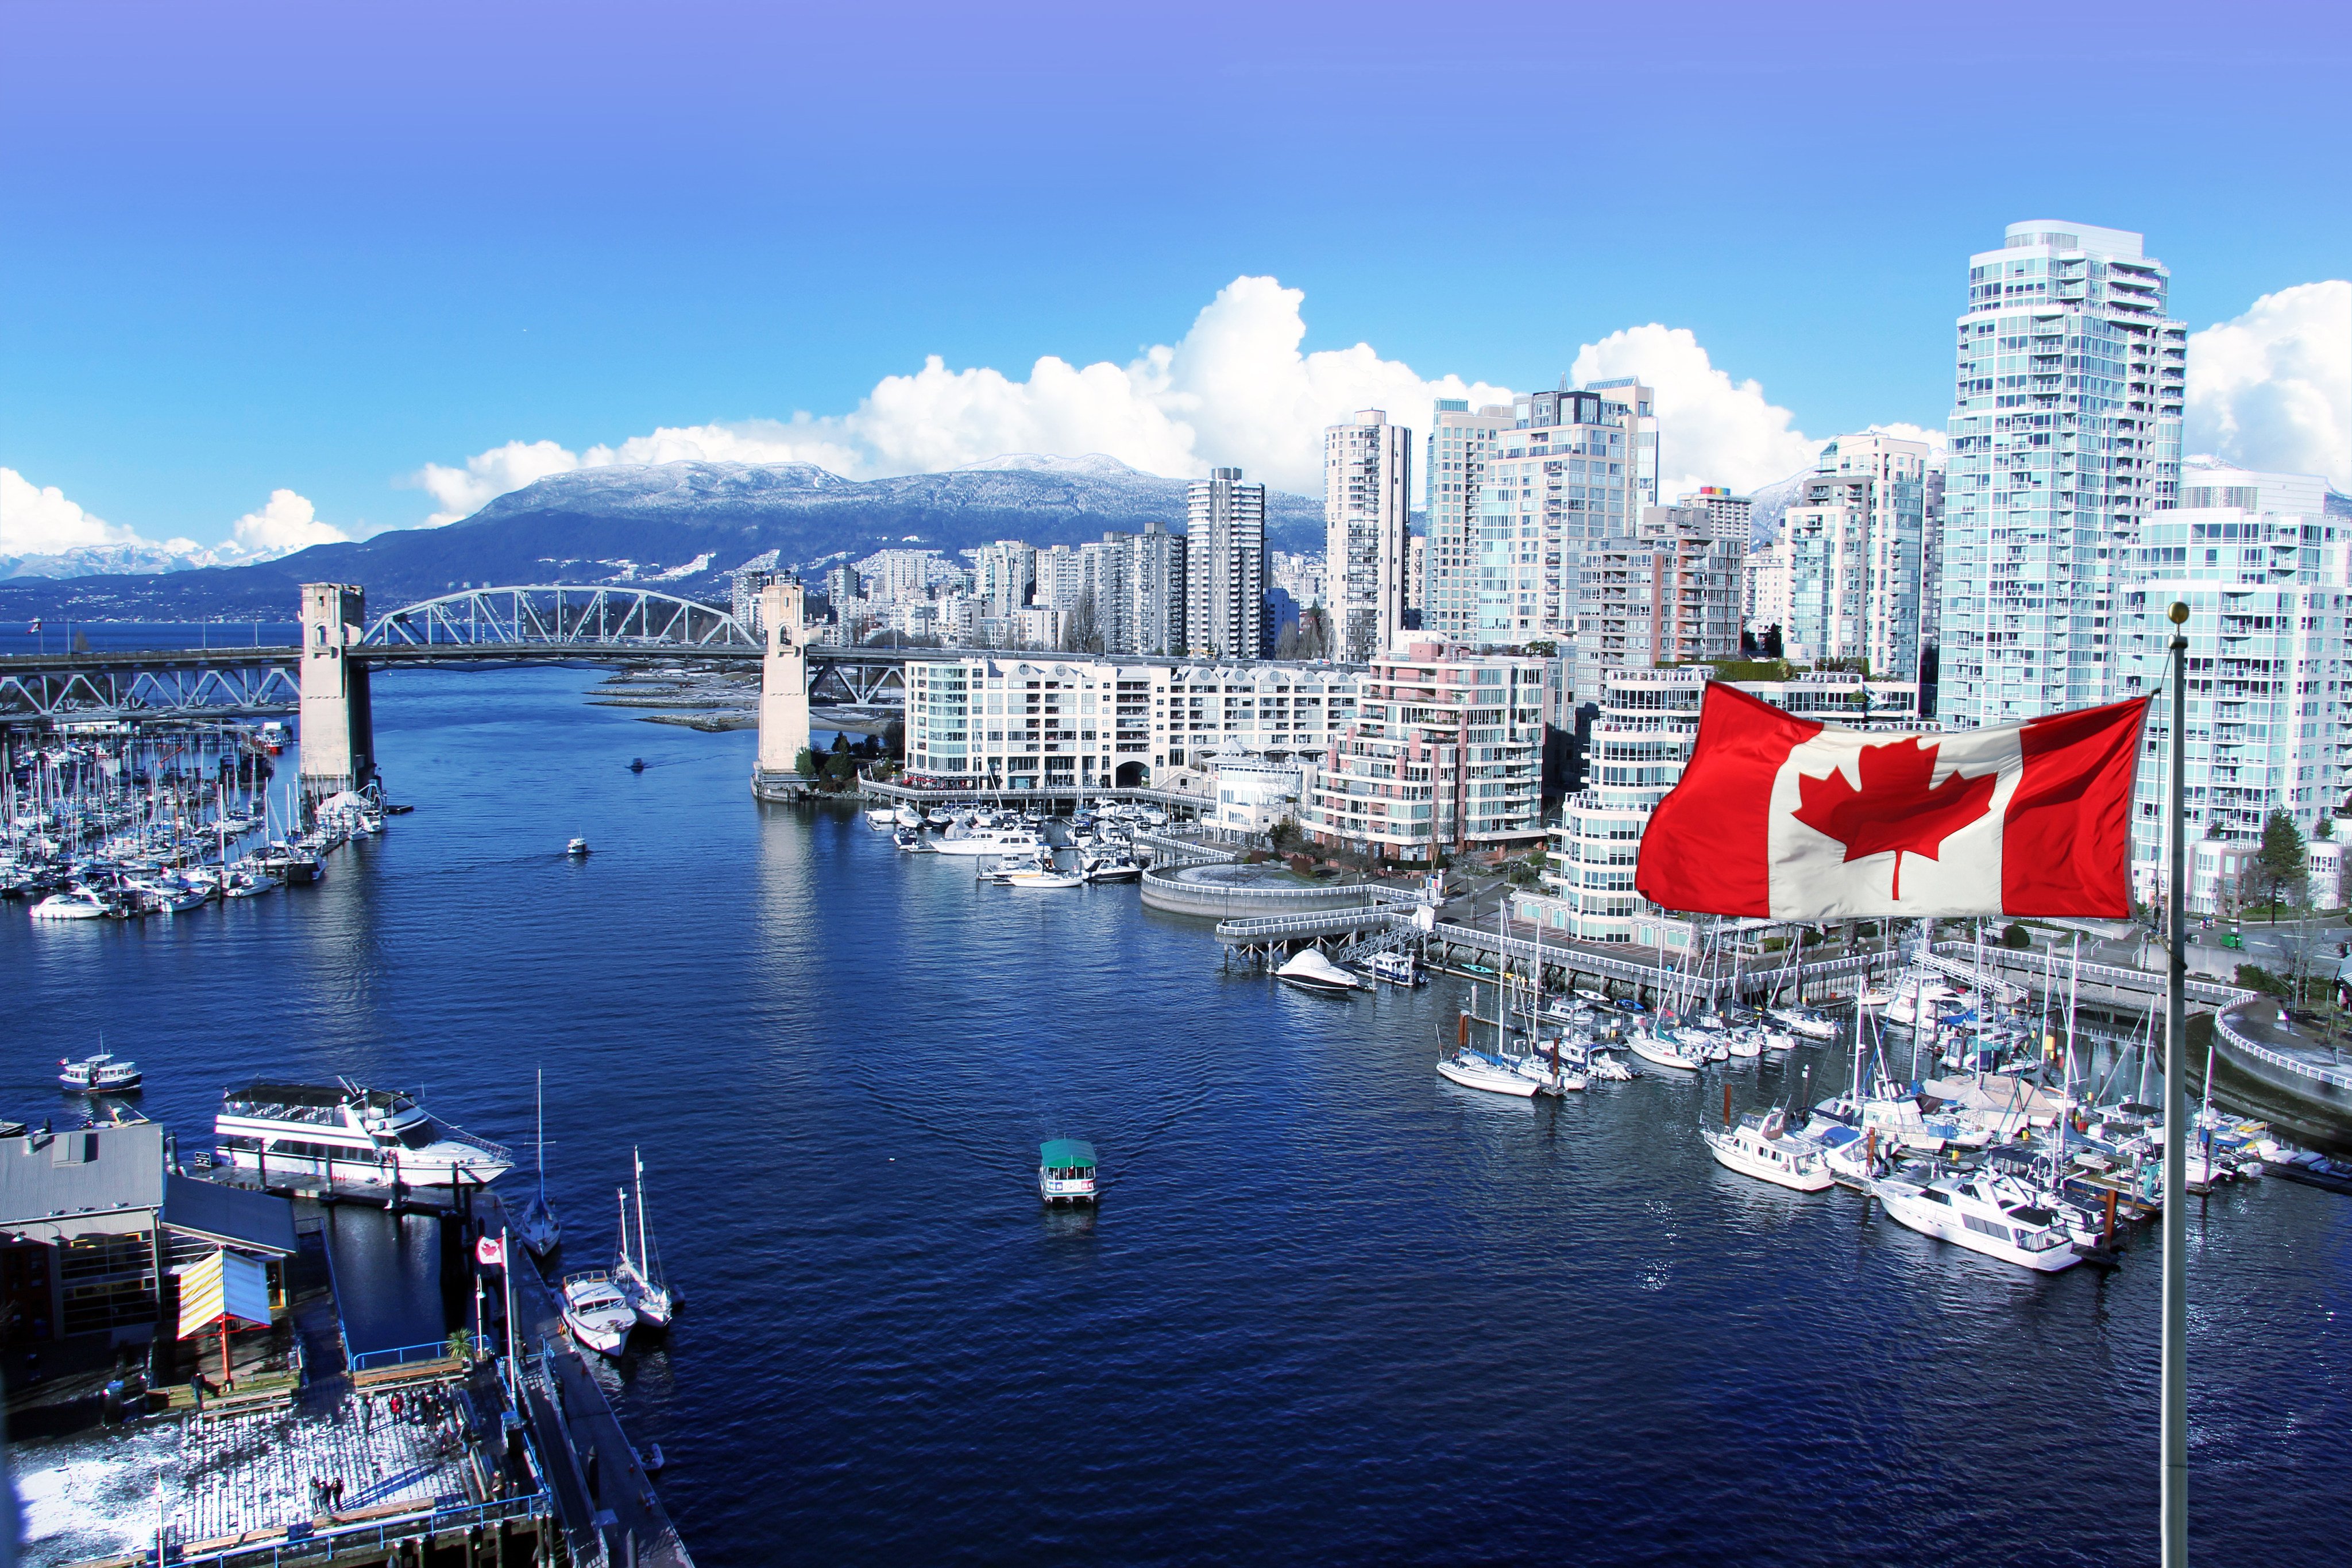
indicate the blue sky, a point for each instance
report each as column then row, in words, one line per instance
column 312, row 249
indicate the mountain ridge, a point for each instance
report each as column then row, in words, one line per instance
column 630, row 521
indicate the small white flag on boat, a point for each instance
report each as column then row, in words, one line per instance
column 490, row 1252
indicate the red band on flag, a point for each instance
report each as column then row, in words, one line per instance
column 1708, row 848
column 2066, row 838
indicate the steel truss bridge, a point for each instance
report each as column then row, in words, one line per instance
column 539, row 624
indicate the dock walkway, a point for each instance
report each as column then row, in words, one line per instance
column 609, row 1507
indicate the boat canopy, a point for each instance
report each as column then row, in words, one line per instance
column 1063, row 1152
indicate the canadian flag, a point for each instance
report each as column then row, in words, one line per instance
column 490, row 1252
column 1787, row 818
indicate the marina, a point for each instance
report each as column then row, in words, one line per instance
column 880, row 1362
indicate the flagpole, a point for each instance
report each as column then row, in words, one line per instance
column 2173, row 1424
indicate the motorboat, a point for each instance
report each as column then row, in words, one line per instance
column 1477, row 1069
column 577, row 850
column 1760, row 1146
column 1665, row 1051
column 940, row 816
column 291, row 864
column 1965, row 1211
column 1804, row 1022
column 881, row 816
column 1041, row 873
column 907, row 817
column 73, row 904
column 1552, row 1071
column 1848, row 1152
column 172, row 896
column 540, row 1231
column 1114, row 868
column 100, row 1074
column 596, row 1312
column 1743, row 1043
column 344, row 1134
column 1066, row 1171
column 1396, row 968
column 990, row 841
column 906, row 838
column 1310, row 971
column 244, row 882
column 639, row 1278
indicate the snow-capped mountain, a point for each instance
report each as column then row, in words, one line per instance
column 654, row 520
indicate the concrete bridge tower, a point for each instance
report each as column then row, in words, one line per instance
column 784, row 695
column 337, row 727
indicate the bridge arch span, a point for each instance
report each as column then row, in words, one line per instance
column 556, row 615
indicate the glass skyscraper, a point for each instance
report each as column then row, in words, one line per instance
column 2065, row 436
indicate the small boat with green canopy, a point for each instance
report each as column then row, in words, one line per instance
column 1066, row 1171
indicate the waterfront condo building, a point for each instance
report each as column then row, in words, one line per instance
column 1224, row 566
column 1444, row 756
column 1670, row 594
column 1004, row 576
column 1562, row 481
column 1005, row 721
column 1461, row 443
column 2065, row 439
column 1857, row 535
column 1638, row 744
column 1640, row 403
column 2261, row 560
column 1367, row 509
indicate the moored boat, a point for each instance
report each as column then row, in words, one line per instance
column 1310, row 971
column 1477, row 1069
column 1760, row 1146
column 596, row 1312
column 1964, row 1211
column 347, row 1135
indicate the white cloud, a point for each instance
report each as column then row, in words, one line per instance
column 38, row 520
column 1712, row 430
column 487, row 474
column 288, row 523
column 1236, row 391
column 2271, row 389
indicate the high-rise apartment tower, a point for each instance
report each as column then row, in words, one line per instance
column 1367, row 512
column 2065, row 437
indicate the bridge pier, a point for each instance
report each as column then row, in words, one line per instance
column 338, row 724
column 783, row 696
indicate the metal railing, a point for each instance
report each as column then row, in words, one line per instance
column 1319, row 922
column 2237, row 1042
column 400, row 1355
column 378, row 1538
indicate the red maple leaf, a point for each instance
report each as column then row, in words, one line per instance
column 1893, row 809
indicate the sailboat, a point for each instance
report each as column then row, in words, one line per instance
column 540, row 1231
column 639, row 1278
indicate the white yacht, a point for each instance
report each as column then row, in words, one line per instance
column 596, row 1312
column 1042, row 873
column 1803, row 1021
column 1761, row 1147
column 1310, row 971
column 882, row 816
column 1665, row 1051
column 73, row 904
column 990, row 841
column 363, row 1137
column 1967, row 1212
column 907, row 817
column 1477, row 1069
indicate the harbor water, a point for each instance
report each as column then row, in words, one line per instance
column 1331, row 1310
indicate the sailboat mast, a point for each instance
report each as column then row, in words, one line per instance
column 645, row 1256
column 541, row 1118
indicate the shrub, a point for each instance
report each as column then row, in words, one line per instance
column 1300, row 864
column 2016, row 936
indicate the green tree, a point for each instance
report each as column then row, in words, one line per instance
column 2282, row 870
column 805, row 764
